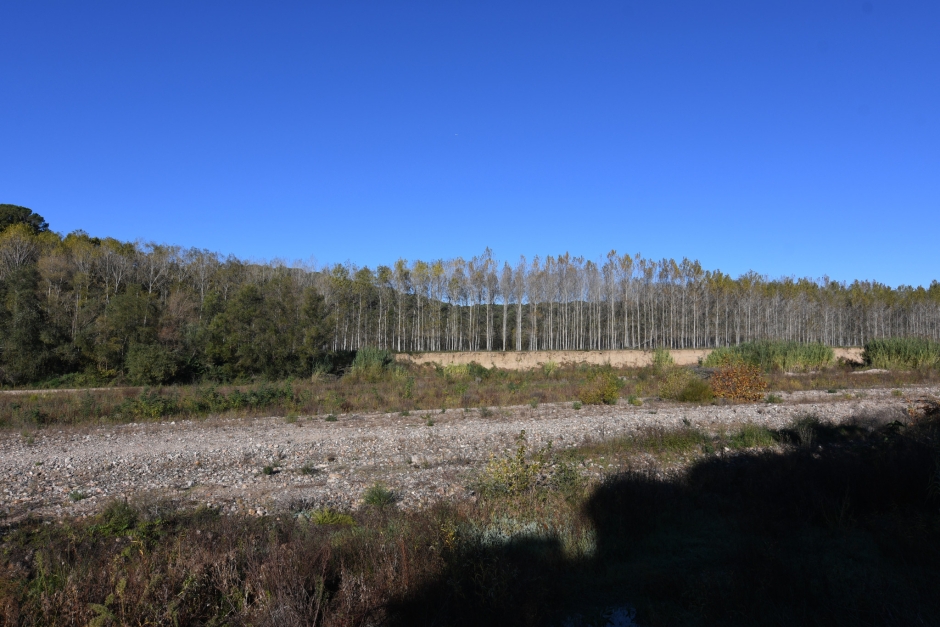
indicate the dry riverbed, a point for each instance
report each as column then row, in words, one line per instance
column 312, row 463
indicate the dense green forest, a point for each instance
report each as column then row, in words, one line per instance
column 84, row 309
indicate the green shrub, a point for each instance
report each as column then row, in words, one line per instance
column 773, row 355
column 696, row 391
column 752, row 436
column 510, row 475
column 674, row 382
column 662, row 359
column 327, row 516
column 604, row 388
column 377, row 495
column 151, row 364
column 902, row 353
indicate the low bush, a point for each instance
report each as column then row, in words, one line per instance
column 378, row 495
column 739, row 382
column 604, row 389
column 510, row 475
column 327, row 516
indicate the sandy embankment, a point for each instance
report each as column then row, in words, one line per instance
column 523, row 360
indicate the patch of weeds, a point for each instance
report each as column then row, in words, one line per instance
column 634, row 400
column 773, row 398
column 429, row 422
column 831, row 391
column 77, row 495
column 485, row 412
column 290, row 418
column 576, row 405
column 753, row 436
column 309, row 469
column 533, row 404
column 327, row 516
column 330, row 418
column 897, row 393
column 511, row 475
column 549, row 368
column 270, row 470
column 378, row 495
column 404, row 412
column 805, row 429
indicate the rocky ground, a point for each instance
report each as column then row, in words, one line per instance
column 268, row 465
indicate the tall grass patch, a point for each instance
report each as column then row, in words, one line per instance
column 773, row 355
column 902, row 353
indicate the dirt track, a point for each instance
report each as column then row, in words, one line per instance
column 316, row 463
column 525, row 360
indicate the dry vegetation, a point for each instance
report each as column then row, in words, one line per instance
column 812, row 523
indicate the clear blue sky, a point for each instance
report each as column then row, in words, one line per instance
column 791, row 138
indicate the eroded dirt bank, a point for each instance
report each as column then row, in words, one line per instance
column 314, row 463
column 524, row 360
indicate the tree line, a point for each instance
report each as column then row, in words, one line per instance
column 78, row 305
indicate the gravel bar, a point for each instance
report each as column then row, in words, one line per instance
column 311, row 463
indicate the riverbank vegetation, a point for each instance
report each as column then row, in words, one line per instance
column 79, row 310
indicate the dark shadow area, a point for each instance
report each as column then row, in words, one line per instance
column 842, row 529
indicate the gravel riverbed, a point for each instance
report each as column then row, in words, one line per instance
column 313, row 463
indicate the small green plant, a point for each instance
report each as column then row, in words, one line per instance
column 510, row 475
column 485, row 412
column 77, row 495
column 662, row 359
column 576, row 405
column 773, row 398
column 331, row 418
column 533, row 404
column 430, row 422
column 549, row 368
column 327, row 516
column 634, row 400
column 378, row 495
column 309, row 469
column 753, row 436
column 290, row 418
column 804, row 428
column 897, row 393
column 404, row 412
column 269, row 470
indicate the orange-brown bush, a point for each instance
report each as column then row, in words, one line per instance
column 739, row 382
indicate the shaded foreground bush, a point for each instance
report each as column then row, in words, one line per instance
column 773, row 355
column 902, row 354
column 846, row 534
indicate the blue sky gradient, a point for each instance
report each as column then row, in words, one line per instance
column 789, row 138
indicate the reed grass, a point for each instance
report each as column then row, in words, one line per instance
column 774, row 355
column 902, row 353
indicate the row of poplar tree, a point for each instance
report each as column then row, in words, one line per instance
column 154, row 314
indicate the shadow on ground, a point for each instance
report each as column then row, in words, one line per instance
column 843, row 529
